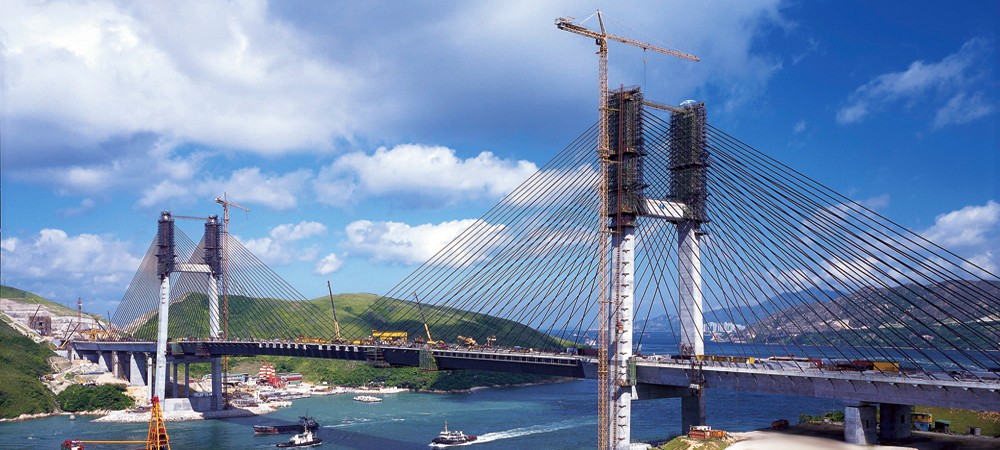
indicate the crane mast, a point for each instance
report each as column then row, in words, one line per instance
column 614, row 401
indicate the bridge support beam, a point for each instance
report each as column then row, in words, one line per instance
column 173, row 382
column 161, row 339
column 859, row 423
column 894, row 421
column 692, row 323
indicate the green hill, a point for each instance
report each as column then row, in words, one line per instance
column 28, row 297
column 22, row 361
column 358, row 315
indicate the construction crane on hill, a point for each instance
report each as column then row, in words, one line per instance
column 609, row 435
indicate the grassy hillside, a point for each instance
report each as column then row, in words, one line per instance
column 988, row 422
column 28, row 297
column 266, row 318
column 21, row 363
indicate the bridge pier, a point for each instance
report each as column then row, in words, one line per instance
column 137, row 376
column 894, row 421
column 217, row 384
column 692, row 411
column 859, row 423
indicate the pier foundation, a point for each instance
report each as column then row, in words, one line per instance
column 692, row 411
column 859, row 423
column 894, row 421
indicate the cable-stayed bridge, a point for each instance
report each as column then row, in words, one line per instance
column 822, row 296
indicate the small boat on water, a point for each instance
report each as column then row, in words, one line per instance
column 368, row 399
column 304, row 439
column 308, row 423
column 452, row 437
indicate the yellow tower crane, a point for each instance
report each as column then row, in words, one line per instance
column 604, row 376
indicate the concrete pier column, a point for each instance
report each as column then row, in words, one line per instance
column 692, row 411
column 187, row 379
column 161, row 339
column 150, row 381
column 115, row 365
column 859, row 423
column 691, row 315
column 174, row 381
column 894, row 421
column 217, row 384
column 136, row 377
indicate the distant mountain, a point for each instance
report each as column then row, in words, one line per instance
column 740, row 315
column 893, row 316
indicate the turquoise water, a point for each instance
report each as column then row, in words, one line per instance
column 557, row 416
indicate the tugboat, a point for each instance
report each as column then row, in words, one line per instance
column 308, row 423
column 304, row 439
column 452, row 437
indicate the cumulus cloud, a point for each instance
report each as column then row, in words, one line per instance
column 329, row 264
column 427, row 173
column 969, row 226
column 396, row 242
column 955, row 76
column 279, row 248
column 59, row 266
column 253, row 187
column 220, row 73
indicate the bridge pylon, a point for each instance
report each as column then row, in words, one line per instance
column 166, row 265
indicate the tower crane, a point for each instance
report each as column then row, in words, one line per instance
column 609, row 410
column 224, row 201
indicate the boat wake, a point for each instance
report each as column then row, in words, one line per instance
column 519, row 432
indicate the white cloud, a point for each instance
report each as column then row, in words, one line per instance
column 247, row 186
column 329, row 264
column 877, row 202
column 59, row 266
column 219, row 73
column 279, row 248
column 954, row 76
column 396, row 242
column 799, row 127
column 85, row 205
column 962, row 108
column 969, row 226
column 413, row 172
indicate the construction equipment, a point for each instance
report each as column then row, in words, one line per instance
column 467, row 341
column 389, row 336
column 224, row 201
column 491, row 341
column 608, row 436
column 424, row 319
column 156, row 438
column 336, row 325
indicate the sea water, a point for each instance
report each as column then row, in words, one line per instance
column 556, row 416
column 552, row 416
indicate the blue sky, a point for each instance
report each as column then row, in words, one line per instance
column 363, row 136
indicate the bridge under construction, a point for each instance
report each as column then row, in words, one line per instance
column 651, row 210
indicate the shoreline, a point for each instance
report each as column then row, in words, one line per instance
column 122, row 416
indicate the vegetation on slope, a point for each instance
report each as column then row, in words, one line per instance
column 267, row 318
column 90, row 398
column 354, row 373
column 28, row 297
column 22, row 361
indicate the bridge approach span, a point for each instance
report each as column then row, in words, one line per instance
column 654, row 378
